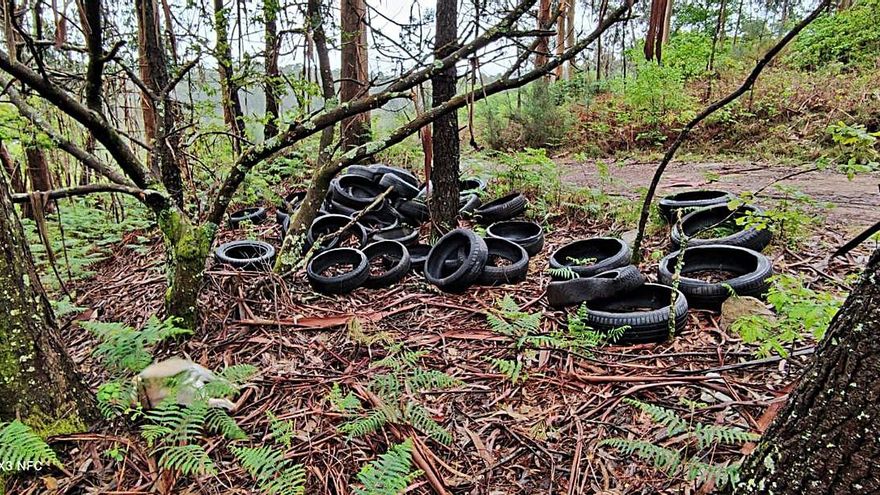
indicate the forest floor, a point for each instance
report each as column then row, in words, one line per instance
column 538, row 435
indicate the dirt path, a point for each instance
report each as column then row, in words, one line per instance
column 856, row 202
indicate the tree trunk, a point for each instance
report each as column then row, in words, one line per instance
column 444, row 203
column 232, row 113
column 273, row 110
column 39, row 382
column 354, row 72
column 187, row 247
column 825, row 440
column 154, row 71
column 542, row 48
column 17, row 181
column 570, row 35
column 561, row 30
column 38, row 172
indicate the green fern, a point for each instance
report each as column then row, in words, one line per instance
column 372, row 422
column 666, row 417
column 345, row 404
column 708, row 435
column 421, row 419
column 282, row 430
column 117, row 397
column 666, row 460
column 217, row 421
column 124, row 348
column 511, row 369
column 21, row 448
column 188, row 459
column 274, row 474
column 421, row 379
column 391, row 474
column 563, row 273
column 183, row 423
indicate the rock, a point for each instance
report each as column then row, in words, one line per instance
column 737, row 307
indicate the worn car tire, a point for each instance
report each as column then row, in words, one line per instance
column 474, row 254
column 255, row 215
column 467, row 204
column 609, row 253
column 399, row 172
column 342, row 283
column 689, row 201
column 328, row 224
column 418, row 253
column 400, row 187
column 289, row 204
column 414, row 211
column 354, row 191
column 601, row 286
column 401, row 234
column 751, row 269
column 365, row 171
column 247, row 255
column 471, row 185
column 529, row 235
column 694, row 222
column 396, row 263
column 503, row 208
column 513, row 273
column 627, row 310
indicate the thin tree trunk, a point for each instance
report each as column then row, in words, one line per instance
column 232, row 112
column 14, row 172
column 561, row 34
column 542, row 48
column 273, row 111
column 154, row 66
column 445, row 173
column 39, row 382
column 570, row 35
column 354, row 72
column 38, row 172
column 825, row 440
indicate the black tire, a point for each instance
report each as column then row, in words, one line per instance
column 329, row 224
column 751, row 270
column 418, row 253
column 285, row 226
column 471, row 185
column 401, row 188
column 414, row 211
column 289, row 204
column 468, row 204
column 694, row 222
column 338, row 208
column 602, row 286
column 529, row 235
column 447, row 248
column 513, row 273
column 403, row 174
column 401, row 234
column 645, row 326
column 395, row 262
column 354, row 191
column 689, row 201
column 247, row 255
column 342, row 283
column 609, row 253
column 366, row 172
column 423, row 191
column 503, row 208
column 382, row 219
column 255, row 215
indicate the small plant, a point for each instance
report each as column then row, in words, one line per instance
column 22, row 449
column 856, row 148
column 790, row 220
column 274, row 474
column 800, row 311
column 391, row 474
column 511, row 369
column 677, row 461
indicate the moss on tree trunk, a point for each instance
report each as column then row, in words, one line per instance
column 39, row 382
column 827, row 438
column 187, row 247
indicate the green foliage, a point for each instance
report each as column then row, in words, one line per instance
column 22, row 449
column 673, row 461
column 123, row 348
column 848, row 37
column 187, row 459
column 282, row 431
column 563, row 273
column 526, row 171
column 511, row 369
column 391, row 474
column 538, row 119
column 856, row 148
column 791, row 218
column 405, row 377
column 274, row 474
column 800, row 311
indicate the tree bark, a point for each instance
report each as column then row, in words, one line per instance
column 444, row 202
column 17, row 181
column 154, row 73
column 354, row 72
column 38, row 171
column 39, row 382
column 825, row 440
column 187, row 247
column 273, row 109
column 232, row 112
column 542, row 47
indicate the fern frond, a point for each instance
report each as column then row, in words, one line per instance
column 126, row 349
column 21, row 447
column 707, row 435
column 391, row 474
column 400, row 362
column 664, row 459
column 343, row 403
column 238, row 374
column 563, row 273
column 282, row 430
column 116, row 397
column 509, row 368
column 218, row 421
column 668, row 418
column 374, row 421
column 184, row 423
column 430, row 379
column 274, row 474
column 187, row 459
column 719, row 474
column 386, row 386
column 421, row 419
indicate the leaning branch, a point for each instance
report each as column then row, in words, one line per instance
column 746, row 85
column 152, row 198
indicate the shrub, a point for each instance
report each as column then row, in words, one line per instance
column 850, row 38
